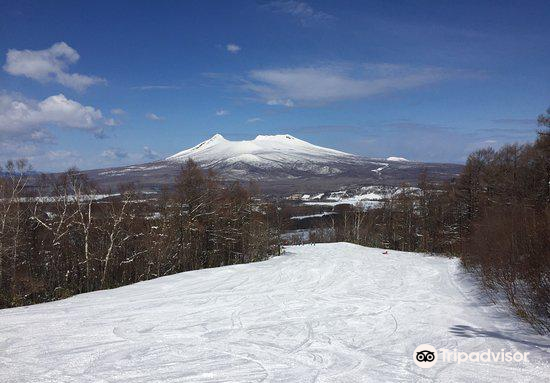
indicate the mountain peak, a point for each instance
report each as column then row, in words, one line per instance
column 217, row 136
column 264, row 150
column 284, row 162
column 274, row 137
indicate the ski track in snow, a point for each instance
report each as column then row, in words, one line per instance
column 323, row 313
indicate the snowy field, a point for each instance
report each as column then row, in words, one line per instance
column 324, row 313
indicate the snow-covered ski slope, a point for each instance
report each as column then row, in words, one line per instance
column 324, row 313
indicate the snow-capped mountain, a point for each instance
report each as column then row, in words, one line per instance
column 280, row 163
column 261, row 150
column 277, row 152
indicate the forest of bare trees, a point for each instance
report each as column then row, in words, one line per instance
column 62, row 237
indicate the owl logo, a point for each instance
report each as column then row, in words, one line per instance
column 425, row 356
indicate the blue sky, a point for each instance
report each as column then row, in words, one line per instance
column 105, row 83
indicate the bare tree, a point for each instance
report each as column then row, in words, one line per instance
column 12, row 184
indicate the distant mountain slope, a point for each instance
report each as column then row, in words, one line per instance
column 280, row 164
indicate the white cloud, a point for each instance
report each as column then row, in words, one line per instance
column 233, row 48
column 41, row 135
column 10, row 150
column 288, row 102
column 254, row 120
column 324, row 84
column 61, row 154
column 24, row 130
column 149, row 153
column 114, row 154
column 111, row 122
column 516, row 121
column 222, row 112
column 27, row 119
column 153, row 117
column 302, row 11
column 118, row 112
column 64, row 112
column 49, row 65
column 43, row 159
column 156, row 87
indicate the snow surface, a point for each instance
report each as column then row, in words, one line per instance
column 323, row 313
column 397, row 159
column 378, row 170
column 132, row 168
column 70, row 198
column 309, row 197
column 263, row 151
column 367, row 197
column 318, row 215
column 356, row 201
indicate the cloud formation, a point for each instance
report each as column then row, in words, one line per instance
column 323, row 84
column 61, row 155
column 28, row 119
column 118, row 111
column 149, row 153
column 49, row 65
column 222, row 112
column 114, row 154
column 301, row 11
column 111, row 122
column 153, row 117
column 277, row 101
column 516, row 121
column 156, row 87
column 428, row 141
column 233, row 48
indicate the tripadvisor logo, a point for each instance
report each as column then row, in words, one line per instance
column 425, row 356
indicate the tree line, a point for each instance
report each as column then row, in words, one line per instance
column 62, row 236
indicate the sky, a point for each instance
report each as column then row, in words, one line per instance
column 98, row 83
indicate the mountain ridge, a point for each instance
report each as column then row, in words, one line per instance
column 280, row 163
column 266, row 147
